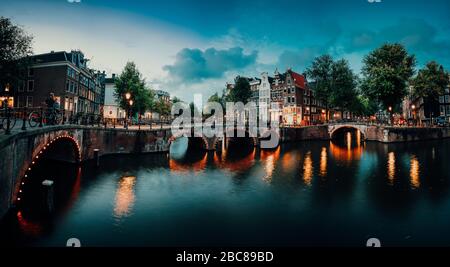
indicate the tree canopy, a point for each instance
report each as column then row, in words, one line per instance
column 131, row 81
column 430, row 81
column 386, row 73
column 15, row 47
column 241, row 91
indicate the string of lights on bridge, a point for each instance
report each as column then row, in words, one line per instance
column 39, row 156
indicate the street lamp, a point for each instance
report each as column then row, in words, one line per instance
column 390, row 115
column 129, row 104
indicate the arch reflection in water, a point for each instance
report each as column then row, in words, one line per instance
column 125, row 196
column 185, row 158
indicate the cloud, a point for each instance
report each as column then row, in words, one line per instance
column 416, row 34
column 298, row 60
column 194, row 65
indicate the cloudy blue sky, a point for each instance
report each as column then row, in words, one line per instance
column 195, row 46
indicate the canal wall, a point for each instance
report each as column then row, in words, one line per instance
column 404, row 134
column 305, row 133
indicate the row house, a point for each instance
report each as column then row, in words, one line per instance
column 285, row 97
column 76, row 87
column 293, row 101
column 444, row 104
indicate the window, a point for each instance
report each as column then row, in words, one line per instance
column 22, row 86
column 30, row 72
column 441, row 99
column 30, row 85
column 29, row 101
column 447, row 99
column 21, row 102
column 67, row 86
column 448, row 110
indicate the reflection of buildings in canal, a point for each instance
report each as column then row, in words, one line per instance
column 348, row 153
column 391, row 167
column 197, row 166
column 308, row 169
column 28, row 227
column 414, row 172
column 323, row 162
column 269, row 159
column 125, row 196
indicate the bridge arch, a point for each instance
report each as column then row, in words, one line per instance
column 54, row 148
column 205, row 146
column 234, row 133
column 334, row 129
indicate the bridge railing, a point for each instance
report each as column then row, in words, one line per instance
column 25, row 118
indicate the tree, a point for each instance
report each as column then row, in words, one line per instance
column 163, row 108
column 131, row 81
column 386, row 73
column 344, row 82
column 362, row 106
column 15, row 47
column 430, row 83
column 241, row 91
column 321, row 72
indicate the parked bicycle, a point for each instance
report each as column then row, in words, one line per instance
column 4, row 119
column 50, row 117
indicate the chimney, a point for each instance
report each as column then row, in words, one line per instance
column 113, row 76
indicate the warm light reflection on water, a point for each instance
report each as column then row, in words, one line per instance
column 125, row 197
column 239, row 165
column 269, row 159
column 415, row 172
column 308, row 169
column 323, row 162
column 197, row 166
column 391, row 167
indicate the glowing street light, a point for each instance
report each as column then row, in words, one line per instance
column 127, row 96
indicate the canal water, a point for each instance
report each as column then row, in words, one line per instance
column 337, row 193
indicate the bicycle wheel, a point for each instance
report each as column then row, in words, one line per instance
column 4, row 123
column 34, row 119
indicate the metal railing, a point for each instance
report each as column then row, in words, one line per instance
column 24, row 118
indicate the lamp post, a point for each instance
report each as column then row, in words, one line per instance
column 390, row 115
column 128, row 102
column 309, row 112
column 413, row 108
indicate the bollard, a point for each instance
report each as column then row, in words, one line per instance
column 97, row 157
column 47, row 196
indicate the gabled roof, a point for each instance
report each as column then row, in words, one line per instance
column 299, row 79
